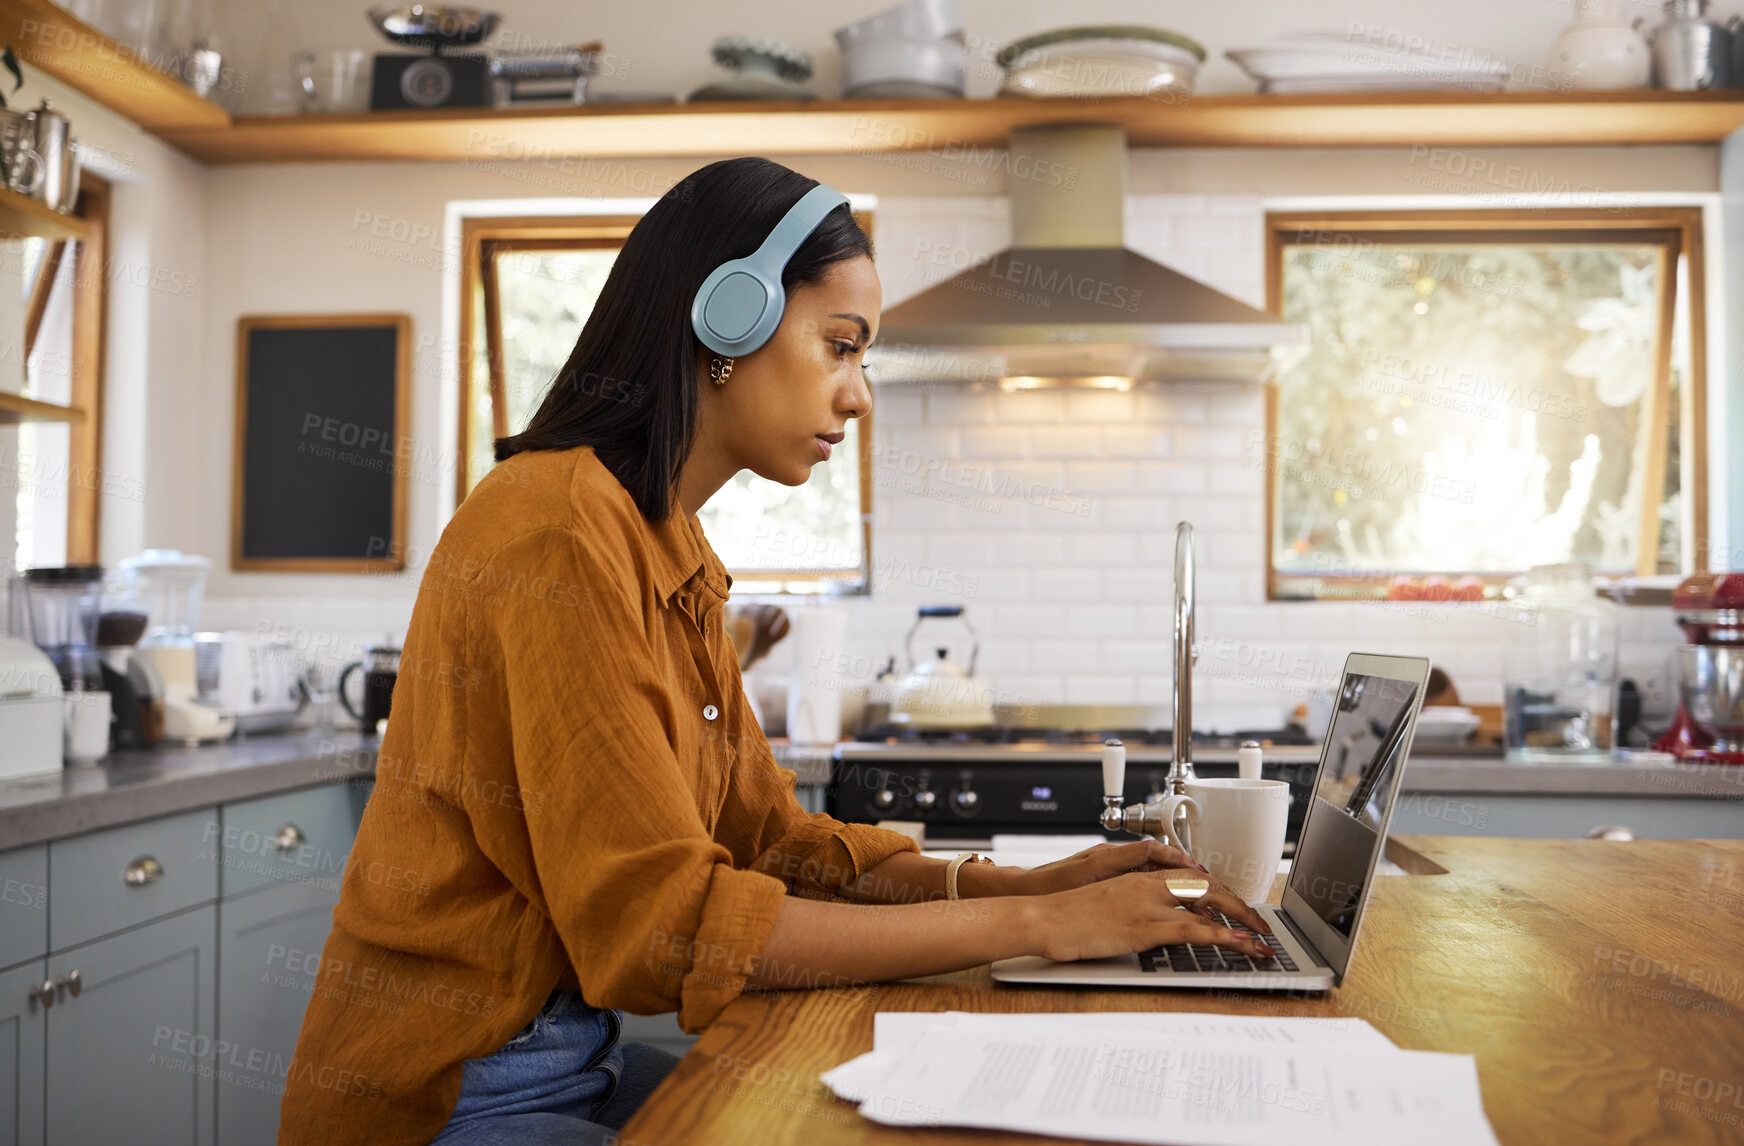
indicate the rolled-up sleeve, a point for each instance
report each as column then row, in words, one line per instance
column 767, row 830
column 649, row 907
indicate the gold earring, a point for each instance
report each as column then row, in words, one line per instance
column 720, row 371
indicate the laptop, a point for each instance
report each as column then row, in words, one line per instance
column 1314, row 929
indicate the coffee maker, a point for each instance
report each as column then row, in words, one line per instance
column 1709, row 727
column 171, row 584
column 63, row 603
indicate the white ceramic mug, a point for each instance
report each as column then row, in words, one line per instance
column 86, row 720
column 1236, row 829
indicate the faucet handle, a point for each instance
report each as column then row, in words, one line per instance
column 1114, row 770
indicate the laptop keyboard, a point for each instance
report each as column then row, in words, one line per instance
column 1206, row 957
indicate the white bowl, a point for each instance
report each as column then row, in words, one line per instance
column 1446, row 724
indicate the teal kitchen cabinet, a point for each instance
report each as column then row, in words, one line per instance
column 283, row 860
column 24, row 1008
column 23, row 905
column 132, row 1055
column 269, row 948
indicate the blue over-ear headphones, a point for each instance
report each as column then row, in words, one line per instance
column 739, row 305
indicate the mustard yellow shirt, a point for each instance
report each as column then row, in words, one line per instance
column 571, row 792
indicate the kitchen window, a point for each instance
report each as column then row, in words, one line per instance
column 51, row 430
column 1484, row 391
column 529, row 286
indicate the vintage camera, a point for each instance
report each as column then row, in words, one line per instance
column 401, row 80
column 440, row 79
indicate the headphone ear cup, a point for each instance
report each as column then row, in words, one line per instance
column 735, row 311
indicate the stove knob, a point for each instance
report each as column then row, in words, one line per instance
column 884, row 800
column 925, row 799
column 966, row 800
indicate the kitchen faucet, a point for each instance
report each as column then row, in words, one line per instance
column 1146, row 819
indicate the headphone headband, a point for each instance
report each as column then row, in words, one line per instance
column 739, row 305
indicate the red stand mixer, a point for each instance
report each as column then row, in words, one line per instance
column 1710, row 671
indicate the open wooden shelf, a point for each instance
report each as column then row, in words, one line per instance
column 947, row 126
column 16, row 408
column 114, row 75
column 20, row 215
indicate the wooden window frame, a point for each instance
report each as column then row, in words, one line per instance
column 1677, row 229
column 88, row 224
column 483, row 240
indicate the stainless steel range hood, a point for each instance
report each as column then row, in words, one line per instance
column 1067, row 304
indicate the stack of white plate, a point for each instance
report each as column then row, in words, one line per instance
column 912, row 51
column 1101, row 60
column 1333, row 62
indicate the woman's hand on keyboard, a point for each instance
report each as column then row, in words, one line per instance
column 1135, row 912
column 1103, row 861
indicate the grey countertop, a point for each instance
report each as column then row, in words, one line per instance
column 141, row 785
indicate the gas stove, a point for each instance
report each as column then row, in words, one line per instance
column 1039, row 772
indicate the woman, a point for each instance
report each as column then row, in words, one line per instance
column 575, row 814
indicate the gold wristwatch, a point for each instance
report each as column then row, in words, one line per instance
column 951, row 871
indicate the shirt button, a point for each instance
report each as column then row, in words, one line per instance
column 709, row 712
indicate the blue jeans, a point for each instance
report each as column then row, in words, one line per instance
column 564, row 1080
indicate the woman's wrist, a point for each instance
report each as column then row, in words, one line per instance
column 981, row 880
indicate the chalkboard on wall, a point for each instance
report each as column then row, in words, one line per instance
column 322, row 443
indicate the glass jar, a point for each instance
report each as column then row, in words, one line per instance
column 1559, row 670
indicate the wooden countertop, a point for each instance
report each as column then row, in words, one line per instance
column 1600, row 986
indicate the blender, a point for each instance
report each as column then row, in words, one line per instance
column 1709, row 727
column 171, row 584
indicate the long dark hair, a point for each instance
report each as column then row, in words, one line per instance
column 629, row 387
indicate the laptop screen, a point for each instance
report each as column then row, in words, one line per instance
column 1346, row 826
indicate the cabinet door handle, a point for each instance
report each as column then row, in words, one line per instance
column 44, row 994
column 71, row 983
column 143, row 870
column 289, row 838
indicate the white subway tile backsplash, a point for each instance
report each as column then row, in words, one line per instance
column 1136, row 656
column 1171, row 477
column 1099, row 477
column 957, row 549
column 1100, row 406
column 1030, row 549
column 1102, row 548
column 1090, row 688
column 1106, row 620
column 1239, row 406
column 1028, row 689
column 1139, row 581
column 1068, row 655
column 1015, row 620
column 898, row 406
column 992, row 442
column 1166, row 406
column 1135, row 442
column 960, row 408
column 1218, row 444
column 1065, row 441
column 1135, row 513
column 999, row 657
column 1066, row 586
column 933, row 446
column 1031, row 407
